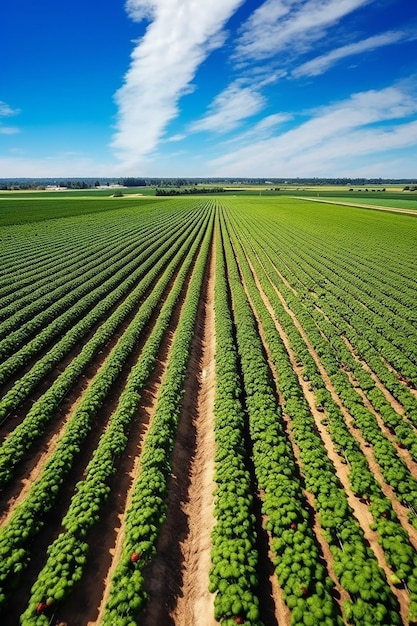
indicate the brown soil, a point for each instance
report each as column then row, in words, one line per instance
column 179, row 576
column 341, row 595
column 397, row 406
column 106, row 538
column 196, row 603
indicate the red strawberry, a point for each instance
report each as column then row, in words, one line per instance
column 40, row 608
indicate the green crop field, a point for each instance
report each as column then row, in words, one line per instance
column 208, row 407
column 387, row 200
column 17, row 210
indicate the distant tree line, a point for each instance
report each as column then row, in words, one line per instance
column 187, row 183
column 133, row 182
column 36, row 184
column 184, row 191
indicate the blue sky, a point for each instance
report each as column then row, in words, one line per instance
column 279, row 88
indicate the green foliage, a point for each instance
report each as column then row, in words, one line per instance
column 148, row 506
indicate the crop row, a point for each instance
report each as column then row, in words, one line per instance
column 400, row 553
column 355, row 330
column 56, row 255
column 395, row 345
column 394, row 470
column 234, row 572
column 76, row 301
column 310, row 326
column 317, row 271
column 148, row 505
column 81, row 258
column 68, row 281
column 353, row 562
column 27, row 518
column 305, row 581
column 353, row 326
column 68, row 554
column 29, row 260
column 19, row 441
column 321, row 267
column 134, row 285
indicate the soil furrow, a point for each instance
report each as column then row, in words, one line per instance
column 403, row 453
column 195, row 604
column 106, row 538
column 326, row 555
column 396, row 405
column 92, row 595
column 178, row 577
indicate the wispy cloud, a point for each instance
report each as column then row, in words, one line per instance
column 349, row 153
column 176, row 42
column 366, row 123
column 280, row 24
column 261, row 130
column 6, row 110
column 177, row 137
column 320, row 64
column 229, row 109
column 139, row 10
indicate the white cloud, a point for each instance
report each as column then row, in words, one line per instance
column 6, row 110
column 269, row 122
column 181, row 35
column 322, row 63
column 229, row 108
column 352, row 147
column 139, row 10
column 295, row 24
column 178, row 137
column 260, row 130
column 365, row 124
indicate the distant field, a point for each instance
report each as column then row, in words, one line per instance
column 392, row 196
column 79, row 193
column 355, row 195
column 35, row 208
column 336, row 192
column 387, row 201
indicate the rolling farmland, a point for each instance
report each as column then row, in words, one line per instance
column 208, row 413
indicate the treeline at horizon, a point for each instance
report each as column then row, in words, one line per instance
column 10, row 184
